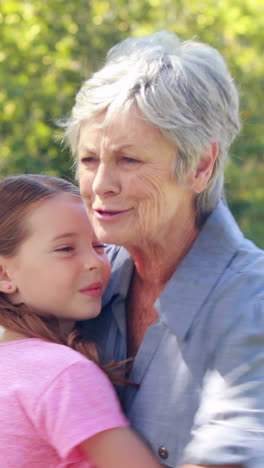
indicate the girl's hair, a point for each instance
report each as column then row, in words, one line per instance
column 20, row 195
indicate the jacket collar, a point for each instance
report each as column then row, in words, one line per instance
column 200, row 270
column 195, row 277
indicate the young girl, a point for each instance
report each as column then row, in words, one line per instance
column 57, row 408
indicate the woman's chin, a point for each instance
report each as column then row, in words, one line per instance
column 110, row 235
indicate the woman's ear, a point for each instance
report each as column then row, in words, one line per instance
column 6, row 284
column 201, row 176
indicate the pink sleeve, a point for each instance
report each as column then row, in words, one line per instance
column 79, row 403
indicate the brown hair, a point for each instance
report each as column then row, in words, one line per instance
column 19, row 195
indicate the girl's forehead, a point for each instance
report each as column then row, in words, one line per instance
column 53, row 200
column 63, row 209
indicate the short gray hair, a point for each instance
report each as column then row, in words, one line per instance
column 181, row 87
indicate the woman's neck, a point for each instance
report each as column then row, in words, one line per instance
column 156, row 261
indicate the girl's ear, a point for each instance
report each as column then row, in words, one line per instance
column 6, row 284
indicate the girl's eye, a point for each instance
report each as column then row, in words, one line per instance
column 67, row 248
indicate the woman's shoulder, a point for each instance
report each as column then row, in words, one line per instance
column 113, row 251
column 119, row 258
column 122, row 267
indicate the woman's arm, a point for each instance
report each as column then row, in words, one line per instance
column 119, row 448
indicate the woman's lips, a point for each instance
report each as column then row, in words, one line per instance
column 93, row 290
column 109, row 215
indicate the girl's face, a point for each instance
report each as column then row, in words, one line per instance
column 61, row 268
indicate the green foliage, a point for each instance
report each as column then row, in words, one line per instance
column 49, row 46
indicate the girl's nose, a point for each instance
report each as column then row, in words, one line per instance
column 91, row 260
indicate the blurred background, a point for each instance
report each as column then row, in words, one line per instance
column 48, row 47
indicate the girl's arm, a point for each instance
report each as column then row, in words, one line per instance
column 119, row 448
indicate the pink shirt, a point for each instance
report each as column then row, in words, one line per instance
column 51, row 399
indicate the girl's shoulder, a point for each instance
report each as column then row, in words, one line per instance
column 31, row 366
column 41, row 357
column 67, row 397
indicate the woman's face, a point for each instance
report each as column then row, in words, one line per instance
column 127, row 180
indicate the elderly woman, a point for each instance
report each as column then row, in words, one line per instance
column 152, row 131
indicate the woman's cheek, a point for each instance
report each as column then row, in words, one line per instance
column 85, row 183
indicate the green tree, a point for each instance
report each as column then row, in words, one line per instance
column 48, row 47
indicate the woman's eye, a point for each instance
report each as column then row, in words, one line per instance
column 86, row 160
column 128, row 160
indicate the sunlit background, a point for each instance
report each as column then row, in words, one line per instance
column 48, row 47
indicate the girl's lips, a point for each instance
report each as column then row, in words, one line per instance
column 93, row 290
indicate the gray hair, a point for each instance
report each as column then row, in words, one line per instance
column 181, row 87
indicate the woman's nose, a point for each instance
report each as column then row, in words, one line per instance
column 105, row 180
